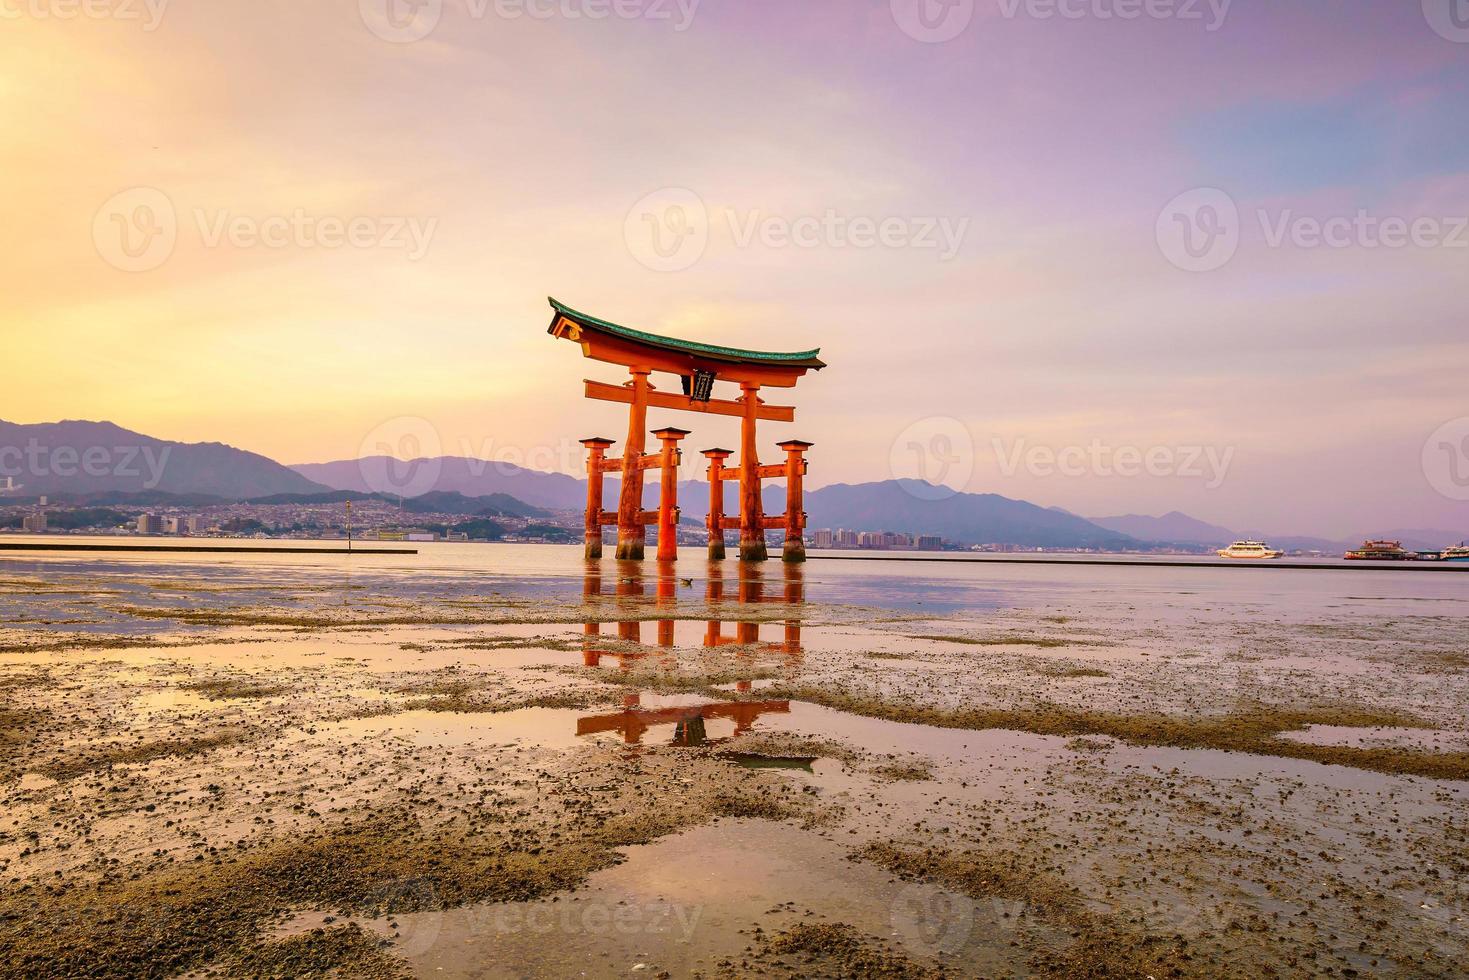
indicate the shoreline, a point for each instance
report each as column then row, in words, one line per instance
column 206, row 549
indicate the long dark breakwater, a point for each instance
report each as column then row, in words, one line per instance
column 201, row 549
column 1403, row 566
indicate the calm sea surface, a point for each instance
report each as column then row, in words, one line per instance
column 933, row 586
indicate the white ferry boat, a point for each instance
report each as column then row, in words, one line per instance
column 1459, row 552
column 1249, row 549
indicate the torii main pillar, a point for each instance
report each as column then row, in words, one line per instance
column 752, row 527
column 630, row 531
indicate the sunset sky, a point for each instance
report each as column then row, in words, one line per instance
column 527, row 146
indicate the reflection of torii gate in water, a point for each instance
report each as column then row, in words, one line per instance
column 751, row 592
column 632, row 722
column 699, row 366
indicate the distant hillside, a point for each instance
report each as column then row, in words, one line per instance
column 88, row 458
column 489, row 505
column 889, row 505
column 435, row 502
column 973, row 518
column 457, row 474
column 1172, row 527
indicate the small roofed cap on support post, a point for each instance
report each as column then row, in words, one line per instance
column 597, row 442
column 670, row 432
column 717, row 453
column 791, row 445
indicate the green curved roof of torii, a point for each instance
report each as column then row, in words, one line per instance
column 805, row 358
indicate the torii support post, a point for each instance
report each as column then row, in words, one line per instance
column 752, row 530
column 596, row 452
column 630, row 531
column 715, row 520
column 668, row 492
column 795, row 544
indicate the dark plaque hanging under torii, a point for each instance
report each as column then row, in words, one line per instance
column 699, row 386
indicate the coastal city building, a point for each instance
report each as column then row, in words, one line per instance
column 34, row 523
column 874, row 540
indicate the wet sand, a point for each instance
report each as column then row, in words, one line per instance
column 248, row 768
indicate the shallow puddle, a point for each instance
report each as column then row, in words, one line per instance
column 684, row 903
column 1423, row 738
column 553, row 728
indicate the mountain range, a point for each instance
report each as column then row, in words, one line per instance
column 99, row 462
column 457, row 474
column 898, row 505
column 79, row 457
column 1171, row 527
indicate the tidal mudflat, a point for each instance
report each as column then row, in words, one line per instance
column 500, row 762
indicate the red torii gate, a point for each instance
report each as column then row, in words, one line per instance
column 698, row 366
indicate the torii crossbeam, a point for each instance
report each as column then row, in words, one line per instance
column 698, row 366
